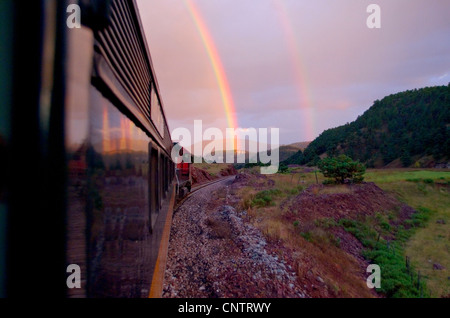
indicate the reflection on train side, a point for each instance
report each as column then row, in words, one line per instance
column 109, row 180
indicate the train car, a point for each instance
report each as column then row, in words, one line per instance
column 87, row 180
column 183, row 173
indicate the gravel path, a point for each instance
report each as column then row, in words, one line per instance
column 213, row 252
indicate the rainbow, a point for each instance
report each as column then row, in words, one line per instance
column 299, row 69
column 219, row 71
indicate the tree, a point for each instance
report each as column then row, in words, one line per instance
column 405, row 158
column 283, row 168
column 342, row 168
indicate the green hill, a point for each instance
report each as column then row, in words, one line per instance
column 410, row 128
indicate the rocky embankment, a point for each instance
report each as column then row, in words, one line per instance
column 214, row 252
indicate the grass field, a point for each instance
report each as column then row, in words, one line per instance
column 427, row 245
column 392, row 175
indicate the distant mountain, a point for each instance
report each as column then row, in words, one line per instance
column 287, row 151
column 300, row 145
column 410, row 128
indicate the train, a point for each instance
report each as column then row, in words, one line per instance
column 87, row 177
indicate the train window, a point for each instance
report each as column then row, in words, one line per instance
column 166, row 174
column 163, row 174
column 153, row 179
column 172, row 171
column 161, row 169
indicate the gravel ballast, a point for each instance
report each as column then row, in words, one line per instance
column 214, row 252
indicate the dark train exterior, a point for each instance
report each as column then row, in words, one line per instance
column 87, row 176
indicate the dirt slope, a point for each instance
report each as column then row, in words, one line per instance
column 328, row 259
column 200, row 175
column 357, row 200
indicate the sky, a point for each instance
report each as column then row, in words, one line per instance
column 300, row 66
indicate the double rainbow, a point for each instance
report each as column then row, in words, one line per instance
column 214, row 57
column 299, row 69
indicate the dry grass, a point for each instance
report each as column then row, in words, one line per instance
column 212, row 168
column 320, row 258
column 247, row 194
column 316, row 260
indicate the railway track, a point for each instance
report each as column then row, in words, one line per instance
column 200, row 186
column 158, row 275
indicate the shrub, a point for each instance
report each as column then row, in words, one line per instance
column 420, row 218
column 325, row 223
column 295, row 190
column 265, row 198
column 307, row 236
column 342, row 168
column 283, row 168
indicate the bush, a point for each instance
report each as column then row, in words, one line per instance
column 307, row 236
column 296, row 190
column 283, row 168
column 342, row 168
column 325, row 223
column 265, row 198
column 397, row 280
column 420, row 218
